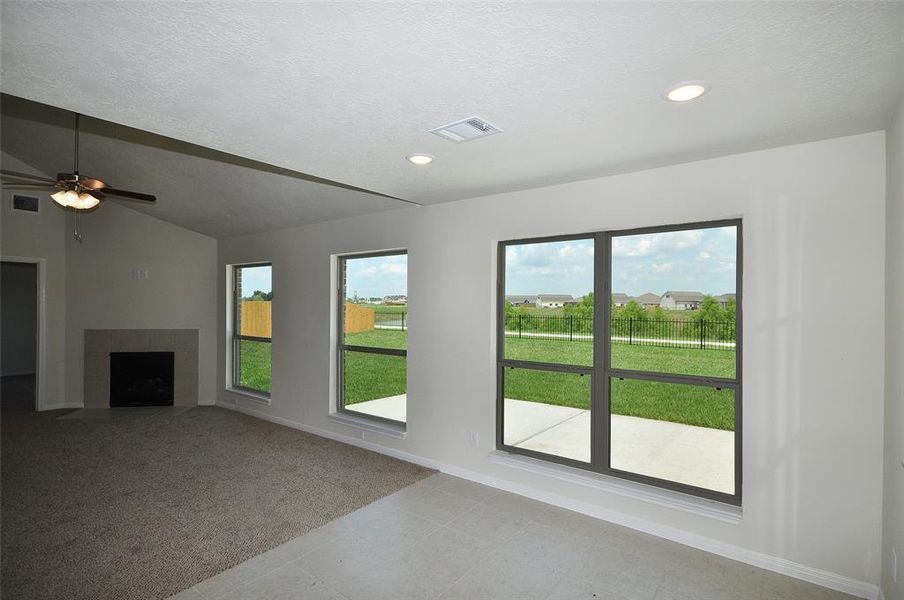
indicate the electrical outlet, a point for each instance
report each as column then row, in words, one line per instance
column 474, row 439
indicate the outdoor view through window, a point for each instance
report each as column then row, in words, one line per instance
column 666, row 373
column 373, row 337
column 253, row 327
column 549, row 319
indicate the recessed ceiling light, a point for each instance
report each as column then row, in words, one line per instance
column 687, row 90
column 420, row 159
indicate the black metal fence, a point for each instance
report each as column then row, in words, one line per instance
column 668, row 333
column 393, row 320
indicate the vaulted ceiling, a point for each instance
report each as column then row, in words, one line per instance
column 345, row 91
column 204, row 190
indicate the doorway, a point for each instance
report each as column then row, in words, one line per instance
column 19, row 328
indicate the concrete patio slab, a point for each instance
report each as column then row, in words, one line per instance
column 524, row 420
column 569, row 439
column 697, row 456
column 391, row 407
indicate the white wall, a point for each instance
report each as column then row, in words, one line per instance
column 41, row 235
column 180, row 291
column 893, row 518
column 18, row 318
column 813, row 377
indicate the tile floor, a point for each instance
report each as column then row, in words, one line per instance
column 448, row 538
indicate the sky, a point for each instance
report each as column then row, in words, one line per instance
column 700, row 260
column 256, row 278
column 377, row 276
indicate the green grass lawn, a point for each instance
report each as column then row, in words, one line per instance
column 379, row 338
column 689, row 404
column 682, row 361
column 254, row 368
column 371, row 376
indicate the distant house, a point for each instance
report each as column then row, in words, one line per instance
column 521, row 300
column 681, row 300
column 724, row 298
column 575, row 301
column 395, row 299
column 620, row 300
column 648, row 300
column 553, row 300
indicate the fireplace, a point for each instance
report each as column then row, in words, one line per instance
column 141, row 378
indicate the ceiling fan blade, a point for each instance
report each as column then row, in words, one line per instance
column 27, row 185
column 92, row 184
column 127, row 194
column 19, row 175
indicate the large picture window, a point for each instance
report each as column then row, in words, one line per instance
column 644, row 385
column 252, row 327
column 373, row 335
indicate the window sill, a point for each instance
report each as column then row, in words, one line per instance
column 605, row 483
column 369, row 425
column 250, row 395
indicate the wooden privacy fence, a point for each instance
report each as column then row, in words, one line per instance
column 257, row 318
column 359, row 318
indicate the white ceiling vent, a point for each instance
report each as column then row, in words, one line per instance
column 466, row 130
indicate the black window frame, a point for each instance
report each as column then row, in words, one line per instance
column 237, row 337
column 342, row 347
column 601, row 372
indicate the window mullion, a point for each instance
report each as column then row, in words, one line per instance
column 600, row 405
column 672, row 378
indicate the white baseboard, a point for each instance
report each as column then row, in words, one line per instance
column 60, row 405
column 841, row 583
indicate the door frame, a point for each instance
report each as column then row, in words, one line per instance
column 41, row 334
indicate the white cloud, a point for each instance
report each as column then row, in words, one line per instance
column 661, row 267
column 377, row 276
column 655, row 244
column 564, row 267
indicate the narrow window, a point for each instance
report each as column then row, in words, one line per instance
column 373, row 335
column 252, row 327
column 645, row 385
column 547, row 351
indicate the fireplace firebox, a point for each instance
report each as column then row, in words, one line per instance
column 141, row 379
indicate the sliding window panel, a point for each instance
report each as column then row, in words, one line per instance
column 253, row 327
column 373, row 334
column 547, row 412
column 675, row 432
column 547, row 304
column 674, row 304
column 375, row 308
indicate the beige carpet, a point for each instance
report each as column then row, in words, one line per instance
column 145, row 505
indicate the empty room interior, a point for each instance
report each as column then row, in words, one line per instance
column 452, row 300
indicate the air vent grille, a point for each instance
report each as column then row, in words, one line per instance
column 26, row 203
column 466, row 129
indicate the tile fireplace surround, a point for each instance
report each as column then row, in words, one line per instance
column 99, row 343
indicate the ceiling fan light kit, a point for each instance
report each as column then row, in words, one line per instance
column 73, row 190
column 73, row 199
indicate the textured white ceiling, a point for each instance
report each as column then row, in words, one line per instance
column 346, row 90
column 200, row 189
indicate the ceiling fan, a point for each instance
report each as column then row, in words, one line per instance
column 73, row 190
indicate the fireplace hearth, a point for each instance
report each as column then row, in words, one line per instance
column 141, row 379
